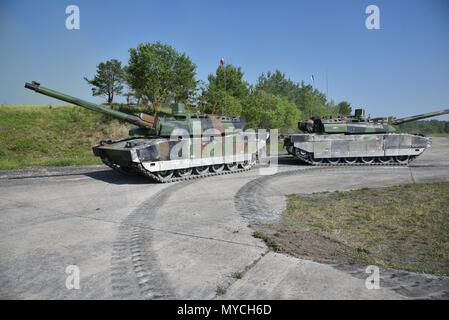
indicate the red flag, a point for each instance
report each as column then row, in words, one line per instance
column 222, row 61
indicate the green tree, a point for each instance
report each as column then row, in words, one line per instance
column 158, row 73
column 310, row 101
column 276, row 83
column 266, row 110
column 225, row 91
column 344, row 108
column 108, row 80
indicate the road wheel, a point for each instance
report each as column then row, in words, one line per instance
column 316, row 161
column 367, row 160
column 300, row 153
column 245, row 165
column 401, row 159
column 333, row 160
column 231, row 166
column 182, row 173
column 385, row 160
column 350, row 160
column 201, row 170
column 217, row 168
column 165, row 175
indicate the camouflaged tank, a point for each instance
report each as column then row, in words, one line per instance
column 356, row 140
column 180, row 146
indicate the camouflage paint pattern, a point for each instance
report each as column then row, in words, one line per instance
column 370, row 145
column 357, row 139
column 358, row 123
column 177, row 142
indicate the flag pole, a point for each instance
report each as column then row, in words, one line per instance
column 223, row 108
column 224, row 66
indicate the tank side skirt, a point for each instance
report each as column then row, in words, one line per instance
column 140, row 170
column 338, row 146
column 154, row 166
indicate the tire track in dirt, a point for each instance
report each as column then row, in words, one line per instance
column 135, row 271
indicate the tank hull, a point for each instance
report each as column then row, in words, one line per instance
column 166, row 160
column 333, row 149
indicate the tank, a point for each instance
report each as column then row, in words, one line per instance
column 176, row 147
column 357, row 140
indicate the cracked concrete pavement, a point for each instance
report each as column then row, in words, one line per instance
column 133, row 239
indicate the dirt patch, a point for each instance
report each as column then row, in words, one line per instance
column 303, row 244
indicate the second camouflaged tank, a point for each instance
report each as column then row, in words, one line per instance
column 177, row 147
column 356, row 140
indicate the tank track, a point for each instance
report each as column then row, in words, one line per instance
column 117, row 168
column 143, row 172
column 138, row 169
column 355, row 164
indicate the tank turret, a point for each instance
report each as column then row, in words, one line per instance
column 358, row 123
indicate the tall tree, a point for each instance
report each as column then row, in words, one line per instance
column 310, row 101
column 276, row 83
column 108, row 80
column 158, row 72
column 344, row 108
column 266, row 110
column 225, row 91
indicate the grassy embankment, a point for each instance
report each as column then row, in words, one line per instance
column 404, row 227
column 58, row 135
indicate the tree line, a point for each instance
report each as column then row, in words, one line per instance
column 158, row 74
column 425, row 127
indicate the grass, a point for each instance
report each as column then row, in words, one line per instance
column 438, row 135
column 220, row 290
column 56, row 135
column 404, row 227
column 237, row 275
column 269, row 241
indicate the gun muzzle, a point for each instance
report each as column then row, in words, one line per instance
column 33, row 85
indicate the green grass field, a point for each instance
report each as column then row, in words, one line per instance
column 404, row 227
column 59, row 135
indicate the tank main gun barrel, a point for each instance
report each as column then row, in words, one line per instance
column 134, row 119
column 418, row 117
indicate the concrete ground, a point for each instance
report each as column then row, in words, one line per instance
column 133, row 239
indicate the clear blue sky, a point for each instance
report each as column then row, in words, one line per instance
column 401, row 69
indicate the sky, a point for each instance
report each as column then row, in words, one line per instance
column 400, row 69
